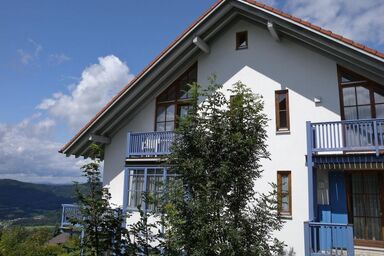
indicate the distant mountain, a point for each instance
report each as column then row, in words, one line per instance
column 33, row 204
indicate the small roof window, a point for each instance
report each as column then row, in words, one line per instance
column 241, row 40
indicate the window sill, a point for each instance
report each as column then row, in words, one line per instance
column 282, row 132
column 286, row 217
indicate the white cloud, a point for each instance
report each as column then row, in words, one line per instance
column 98, row 84
column 37, row 47
column 25, row 57
column 29, row 149
column 29, row 153
column 359, row 20
column 58, row 58
column 28, row 56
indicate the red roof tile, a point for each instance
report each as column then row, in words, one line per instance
column 255, row 3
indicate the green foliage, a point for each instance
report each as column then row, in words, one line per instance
column 216, row 211
column 145, row 232
column 102, row 224
column 20, row 241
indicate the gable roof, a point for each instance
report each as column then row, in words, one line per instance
column 369, row 52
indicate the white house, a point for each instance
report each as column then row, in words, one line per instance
column 324, row 96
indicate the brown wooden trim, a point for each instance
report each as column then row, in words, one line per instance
column 277, row 110
column 238, row 35
column 370, row 85
column 279, row 192
column 176, row 102
column 369, row 243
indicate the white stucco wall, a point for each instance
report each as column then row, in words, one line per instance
column 265, row 66
column 115, row 152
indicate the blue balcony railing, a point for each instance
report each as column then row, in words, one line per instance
column 351, row 135
column 69, row 213
column 149, row 144
column 328, row 239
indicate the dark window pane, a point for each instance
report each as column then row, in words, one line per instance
column 242, row 40
column 169, row 94
column 283, row 119
column 160, row 127
column 284, row 184
column 183, row 112
column 285, row 203
column 185, row 90
column 380, row 111
column 350, row 113
column 364, row 112
column 170, row 113
column 362, row 95
column 282, row 101
column 349, row 96
column 358, row 227
column 345, row 79
column 379, row 98
column 170, row 126
column 160, row 116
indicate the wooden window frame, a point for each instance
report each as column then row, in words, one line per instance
column 238, row 43
column 364, row 82
column 177, row 102
column 277, row 110
column 280, row 174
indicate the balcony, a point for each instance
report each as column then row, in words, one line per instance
column 69, row 213
column 328, row 239
column 149, row 144
column 360, row 136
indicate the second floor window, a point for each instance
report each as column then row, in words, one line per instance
column 360, row 97
column 282, row 110
column 175, row 101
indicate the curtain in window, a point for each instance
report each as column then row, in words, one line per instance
column 366, row 206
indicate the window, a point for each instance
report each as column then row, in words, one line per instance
column 241, row 40
column 175, row 101
column 365, row 192
column 282, row 110
column 149, row 180
column 360, row 97
column 284, row 193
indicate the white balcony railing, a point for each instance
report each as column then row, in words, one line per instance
column 149, row 144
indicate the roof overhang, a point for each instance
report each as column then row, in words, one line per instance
column 184, row 51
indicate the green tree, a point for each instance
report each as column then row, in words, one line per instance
column 145, row 233
column 218, row 153
column 20, row 241
column 102, row 224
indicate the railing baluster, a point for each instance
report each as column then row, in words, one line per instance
column 375, row 134
column 328, row 239
column 149, row 144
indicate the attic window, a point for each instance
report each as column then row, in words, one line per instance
column 242, row 40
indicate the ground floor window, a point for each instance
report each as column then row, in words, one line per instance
column 366, row 204
column 146, row 180
column 284, row 193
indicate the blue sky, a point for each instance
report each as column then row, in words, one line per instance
column 56, row 54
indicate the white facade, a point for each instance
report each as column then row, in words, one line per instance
column 267, row 65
